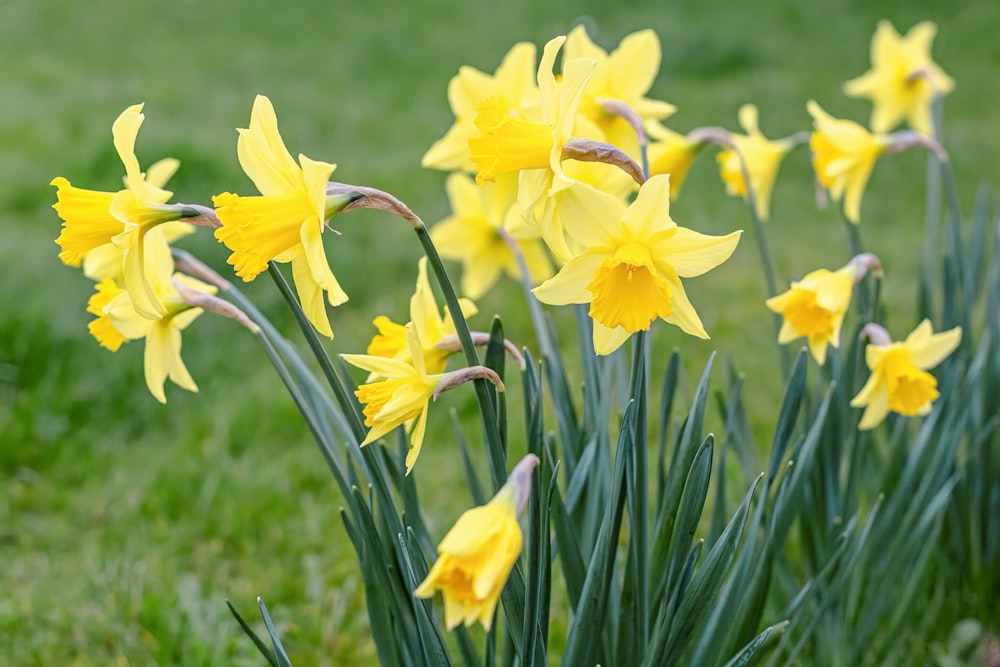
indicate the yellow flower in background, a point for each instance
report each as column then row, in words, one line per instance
column 899, row 381
column 903, row 80
column 471, row 234
column 634, row 259
column 118, row 321
column 400, row 395
column 762, row 157
column 843, row 156
column 477, row 554
column 624, row 76
column 671, row 154
column 92, row 218
column 814, row 308
column 285, row 223
column 512, row 86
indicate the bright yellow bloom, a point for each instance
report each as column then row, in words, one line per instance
column 118, row 321
column 92, row 219
column 476, row 556
column 762, row 157
column 400, row 395
column 634, row 259
column 843, row 156
column 472, row 236
column 625, row 76
column 512, row 86
column 903, row 80
column 672, row 154
column 899, row 381
column 285, row 223
column 814, row 307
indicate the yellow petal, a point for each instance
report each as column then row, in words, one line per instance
column 263, row 155
column 607, row 340
column 683, row 313
column 928, row 350
column 691, row 253
column 570, row 284
column 650, row 212
column 124, row 131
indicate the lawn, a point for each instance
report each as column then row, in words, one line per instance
column 124, row 525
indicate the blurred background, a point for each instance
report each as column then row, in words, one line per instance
column 124, row 524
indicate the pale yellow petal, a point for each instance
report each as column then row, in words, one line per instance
column 684, row 314
column 124, row 131
column 570, row 284
column 650, row 212
column 591, row 217
column 381, row 366
column 928, row 350
column 310, row 296
column 635, row 64
column 691, row 253
column 607, row 339
column 162, row 171
column 263, row 155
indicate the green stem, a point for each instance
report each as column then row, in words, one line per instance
column 638, row 477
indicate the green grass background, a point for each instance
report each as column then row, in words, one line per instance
column 123, row 524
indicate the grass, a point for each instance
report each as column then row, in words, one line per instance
column 124, row 525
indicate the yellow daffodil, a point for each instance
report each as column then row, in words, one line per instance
column 92, row 218
column 634, row 259
column 899, row 381
column 118, row 321
column 762, row 157
column 903, row 80
column 472, row 234
column 285, row 223
column 672, row 154
column 624, row 76
column 106, row 261
column 512, row 86
column 477, row 554
column 814, row 307
column 401, row 393
column 843, row 156
column 433, row 325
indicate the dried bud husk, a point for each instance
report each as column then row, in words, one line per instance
column 463, row 375
column 588, row 150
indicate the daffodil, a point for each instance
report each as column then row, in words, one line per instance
column 843, row 156
column 672, row 154
column 106, row 261
column 92, row 218
column 477, row 554
column 472, row 234
column 899, row 381
column 118, row 321
column 903, row 80
column 634, row 259
column 814, row 308
column 762, row 157
column 623, row 76
column 512, row 87
column 285, row 223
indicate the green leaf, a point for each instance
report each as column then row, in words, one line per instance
column 747, row 656
column 279, row 651
column 264, row 649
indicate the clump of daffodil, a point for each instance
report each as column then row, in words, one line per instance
column 433, row 325
column 814, row 307
column 92, row 219
column 844, row 154
column 117, row 320
column 634, row 259
column 477, row 554
column 472, row 234
column 761, row 156
column 903, row 80
column 899, row 381
column 285, row 223
column 513, row 89
column 622, row 77
column 399, row 392
column 671, row 153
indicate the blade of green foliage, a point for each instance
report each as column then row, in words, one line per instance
column 667, row 393
column 264, row 649
column 748, row 655
column 479, row 496
column 414, row 571
column 279, row 651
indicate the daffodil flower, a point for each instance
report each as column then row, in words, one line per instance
column 512, row 86
column 285, row 223
column 762, row 157
column 814, row 307
column 92, row 218
column 477, row 554
column 903, row 80
column 471, row 234
column 672, row 154
column 899, row 381
column 844, row 154
column 634, row 259
column 623, row 76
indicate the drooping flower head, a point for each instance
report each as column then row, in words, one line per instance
column 92, row 218
column 843, row 156
column 623, row 76
column 903, row 80
column 672, row 154
column 634, row 259
column 513, row 88
column 762, row 157
column 476, row 556
column 899, row 381
column 814, row 307
column 285, row 223
column 471, row 234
